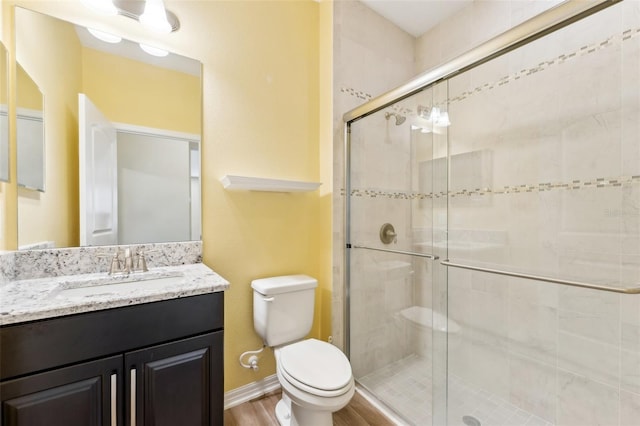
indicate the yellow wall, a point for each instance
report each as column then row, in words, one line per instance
column 261, row 109
column 4, row 98
column 27, row 93
column 128, row 91
column 53, row 213
column 325, row 157
column 261, row 119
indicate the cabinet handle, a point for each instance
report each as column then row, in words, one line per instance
column 132, row 403
column 114, row 400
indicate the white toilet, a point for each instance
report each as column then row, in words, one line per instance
column 315, row 376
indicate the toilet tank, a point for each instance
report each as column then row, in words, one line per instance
column 283, row 308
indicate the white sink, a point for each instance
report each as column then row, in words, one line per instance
column 114, row 285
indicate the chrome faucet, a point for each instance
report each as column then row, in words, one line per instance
column 128, row 261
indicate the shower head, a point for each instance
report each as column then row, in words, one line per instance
column 399, row 118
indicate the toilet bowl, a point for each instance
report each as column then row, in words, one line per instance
column 316, row 381
column 315, row 376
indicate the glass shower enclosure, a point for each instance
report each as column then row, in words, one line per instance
column 493, row 231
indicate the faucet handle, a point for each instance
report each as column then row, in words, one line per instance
column 141, row 262
column 115, row 262
column 141, row 259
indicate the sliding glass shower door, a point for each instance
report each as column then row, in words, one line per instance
column 494, row 237
column 397, row 206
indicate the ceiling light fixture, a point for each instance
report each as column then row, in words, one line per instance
column 154, row 17
column 155, row 51
column 434, row 116
column 105, row 7
column 150, row 13
column 106, row 37
column 422, row 124
column 443, row 120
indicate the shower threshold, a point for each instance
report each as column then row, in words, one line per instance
column 405, row 386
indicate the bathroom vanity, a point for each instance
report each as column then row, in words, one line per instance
column 149, row 355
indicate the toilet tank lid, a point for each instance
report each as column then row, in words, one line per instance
column 283, row 284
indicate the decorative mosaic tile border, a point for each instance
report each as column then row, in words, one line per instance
column 515, row 189
column 583, row 51
column 542, row 187
column 374, row 193
column 356, row 93
column 367, row 97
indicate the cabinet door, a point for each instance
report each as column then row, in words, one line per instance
column 178, row 383
column 80, row 395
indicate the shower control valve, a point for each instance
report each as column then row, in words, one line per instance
column 388, row 234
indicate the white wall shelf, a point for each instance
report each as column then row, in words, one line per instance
column 247, row 183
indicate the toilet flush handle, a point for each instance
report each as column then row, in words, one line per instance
column 268, row 299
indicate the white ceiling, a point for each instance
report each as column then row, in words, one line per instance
column 416, row 16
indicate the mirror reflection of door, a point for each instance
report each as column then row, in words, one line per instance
column 98, row 176
column 148, row 191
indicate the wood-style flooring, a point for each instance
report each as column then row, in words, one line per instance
column 261, row 412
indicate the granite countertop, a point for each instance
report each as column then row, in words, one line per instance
column 42, row 298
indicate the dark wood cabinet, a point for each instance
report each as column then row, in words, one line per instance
column 80, row 395
column 172, row 384
column 125, row 366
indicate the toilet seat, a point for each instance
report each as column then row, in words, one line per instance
column 316, row 367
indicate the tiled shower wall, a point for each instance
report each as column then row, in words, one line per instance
column 372, row 56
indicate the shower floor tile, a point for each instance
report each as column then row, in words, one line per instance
column 405, row 386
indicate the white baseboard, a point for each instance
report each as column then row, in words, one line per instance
column 251, row 391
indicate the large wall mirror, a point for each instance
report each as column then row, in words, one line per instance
column 121, row 136
column 4, row 119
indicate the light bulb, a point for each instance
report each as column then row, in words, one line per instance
column 421, row 123
column 434, row 115
column 155, row 51
column 106, row 37
column 443, row 120
column 155, row 17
